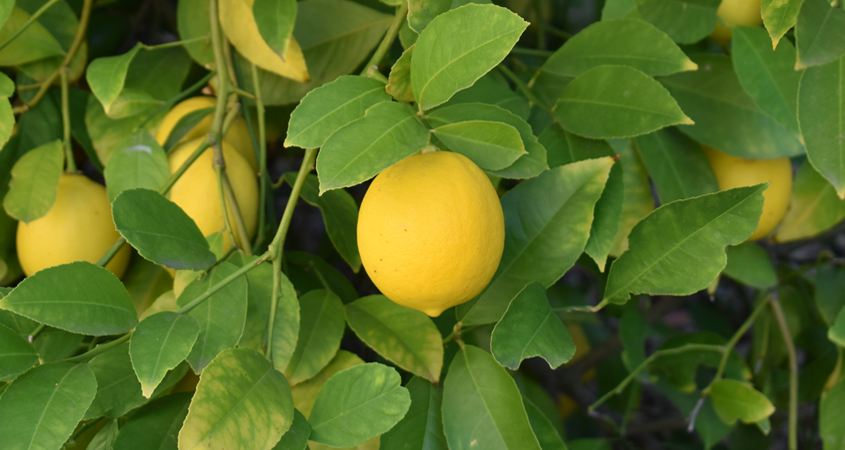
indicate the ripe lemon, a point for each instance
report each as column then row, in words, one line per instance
column 431, row 231
column 238, row 134
column 78, row 227
column 197, row 192
column 732, row 172
column 735, row 12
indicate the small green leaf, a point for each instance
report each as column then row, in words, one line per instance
column 749, row 264
column 55, row 345
column 41, row 408
column 685, row 21
column 458, row 47
column 152, row 79
column 490, row 145
column 16, row 354
column 831, row 417
column 403, row 336
column 305, row 393
column 155, row 425
column 322, row 320
column 193, row 22
column 296, row 438
column 613, row 102
column 275, row 19
column 547, row 435
column 160, row 230
column 357, row 404
column 7, row 121
column 287, row 325
column 138, row 162
column 35, row 182
column 836, row 332
column 118, row 389
column 819, row 33
column 422, row 426
column 399, row 81
column 331, row 107
column 680, row 247
column 779, row 16
column 239, row 387
column 386, row 134
column 160, row 343
column 734, row 400
column 107, row 75
column 821, row 109
column 530, row 328
column 79, row 297
column 482, row 406
column 422, row 12
column 677, row 165
column 814, row 207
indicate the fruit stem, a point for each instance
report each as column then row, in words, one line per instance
column 71, row 164
column 526, row 91
column 388, row 39
column 793, row 372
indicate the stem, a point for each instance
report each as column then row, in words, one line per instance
column 36, row 332
column 99, row 349
column 732, row 343
column 262, row 156
column 240, row 228
column 531, row 52
column 526, row 91
column 219, row 170
column 213, row 289
column 29, row 22
column 176, row 99
column 558, row 32
column 540, row 23
column 174, row 44
column 71, row 164
column 793, row 373
column 388, row 39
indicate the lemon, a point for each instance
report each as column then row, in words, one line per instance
column 431, row 231
column 735, row 12
column 78, row 227
column 238, row 134
column 732, row 172
column 196, row 192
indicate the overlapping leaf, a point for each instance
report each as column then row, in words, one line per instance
column 322, row 321
column 677, row 165
column 35, row 182
column 819, row 33
column 160, row 343
column 684, row 20
column 814, row 207
column 138, row 162
column 821, row 108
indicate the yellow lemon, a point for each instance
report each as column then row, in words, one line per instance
column 431, row 231
column 197, row 193
column 78, row 227
column 238, row 134
column 735, row 12
column 732, row 172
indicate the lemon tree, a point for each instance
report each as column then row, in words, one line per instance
column 581, row 224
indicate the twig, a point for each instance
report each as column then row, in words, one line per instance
column 388, row 39
column 174, row 43
column 793, row 372
column 71, row 164
column 526, row 91
column 176, row 99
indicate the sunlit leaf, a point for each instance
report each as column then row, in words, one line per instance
column 399, row 81
column 734, row 400
column 814, row 207
column 779, row 16
column 160, row 343
column 35, row 182
column 305, row 393
column 821, row 106
column 139, row 162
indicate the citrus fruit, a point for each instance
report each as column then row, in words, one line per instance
column 196, row 192
column 78, row 227
column 238, row 134
column 431, row 231
column 735, row 12
column 732, row 172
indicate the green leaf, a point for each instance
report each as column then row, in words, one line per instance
column 287, row 325
column 680, row 247
column 547, row 224
column 296, row 438
column 779, row 16
column 35, row 182
column 830, row 292
column 275, row 20
column 821, row 116
column 118, row 389
column 138, row 162
column 725, row 116
column 309, row 272
column 685, row 21
column 530, row 328
column 193, row 22
column 814, row 207
column 490, row 145
column 632, row 332
column 106, row 133
column 331, row 107
column 145, row 282
column 831, row 416
column 819, row 33
column 399, row 81
column 221, row 316
column 638, row 200
column 155, row 425
column 239, row 387
column 679, row 370
column 340, row 214
column 677, row 165
column 749, row 264
column 547, row 435
column 482, row 406
column 160, row 230
column 107, row 75
column 458, row 47
column 305, row 393
column 16, row 354
column 403, row 336
column 422, row 426
column 6, row 8
column 357, row 404
column 734, row 400
column 153, row 78
column 160, row 343
column 322, row 321
column 7, row 86
column 55, row 345
column 35, row 43
column 612, row 102
column 422, row 12
column 105, row 438
column 79, row 297
column 386, row 134
column 836, row 332
column 42, row 407
column 184, row 126
column 767, row 75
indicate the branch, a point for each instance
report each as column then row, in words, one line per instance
column 388, row 39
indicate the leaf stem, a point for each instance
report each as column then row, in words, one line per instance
column 793, row 372
column 29, row 22
column 213, row 289
column 36, row 332
column 174, row 44
column 531, row 52
column 71, row 164
column 176, row 99
column 240, row 228
column 99, row 349
column 388, row 39
column 262, row 156
column 526, row 91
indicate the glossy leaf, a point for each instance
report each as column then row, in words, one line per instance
column 118, row 389
column 399, row 81
column 305, row 393
column 296, row 438
column 819, row 33
column 482, row 406
column 821, row 108
column 530, row 328
column 458, row 47
column 684, row 21
column 160, row 343
column 35, row 182
column 612, row 102
column 814, row 207
column 749, row 264
column 422, row 426
column 322, row 321
column 686, row 257
column 547, row 224
column 779, row 16
column 677, row 165
column 79, row 297
column 403, row 336
column 160, row 230
column 155, row 425
column 490, row 145
column 357, row 404
column 734, row 400
column 831, row 415
column 138, row 162
column 331, row 107
column 386, row 134
column 275, row 20
column 107, row 75
column 16, row 354
column 239, row 387
column 41, row 408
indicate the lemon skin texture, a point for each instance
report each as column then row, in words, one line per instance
column 238, row 134
column 431, row 231
column 196, row 192
column 732, row 172
column 735, row 12
column 78, row 227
